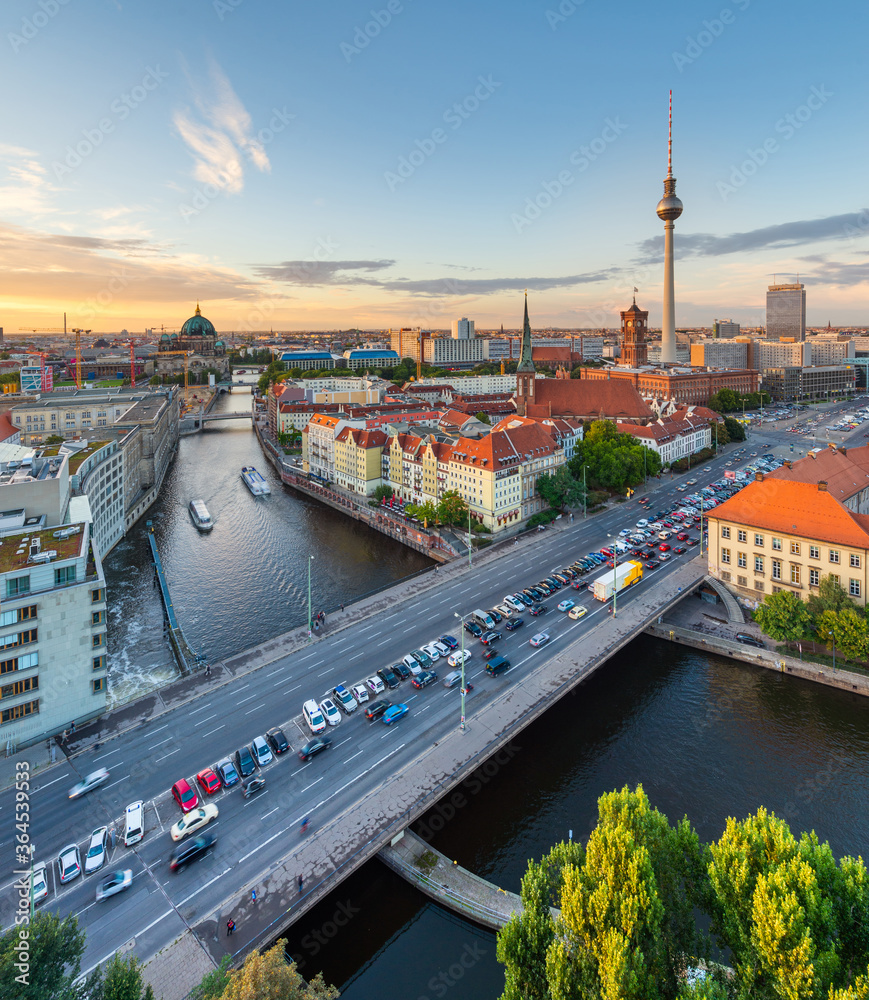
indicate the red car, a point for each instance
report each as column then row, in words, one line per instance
column 682, row 536
column 184, row 795
column 606, row 552
column 208, row 781
column 663, row 547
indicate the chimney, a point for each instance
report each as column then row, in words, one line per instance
column 843, row 450
column 822, row 486
column 787, row 463
column 758, row 477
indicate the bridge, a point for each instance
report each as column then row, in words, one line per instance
column 192, row 423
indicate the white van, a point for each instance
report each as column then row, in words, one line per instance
column 483, row 619
column 134, row 823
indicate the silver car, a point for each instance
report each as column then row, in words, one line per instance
column 69, row 863
column 96, row 855
column 112, row 884
column 261, row 751
column 39, row 883
column 88, row 784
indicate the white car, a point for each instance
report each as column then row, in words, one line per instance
column 112, row 884
column 39, row 883
column 412, row 664
column 540, row 639
column 514, row 603
column 68, row 863
column 577, row 612
column 194, row 820
column 96, row 855
column 375, row 685
column 682, row 489
column 313, row 716
column 642, row 522
column 459, row 657
column 262, row 752
column 359, row 693
column 344, row 698
column 432, row 651
column 624, row 532
column 88, row 784
column 327, row 707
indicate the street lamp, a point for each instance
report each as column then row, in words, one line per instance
column 830, row 634
column 310, row 619
column 615, row 571
column 462, row 620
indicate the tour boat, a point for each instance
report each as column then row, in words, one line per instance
column 200, row 516
column 254, row 481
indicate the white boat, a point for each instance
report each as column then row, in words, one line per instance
column 200, row 516
column 254, row 481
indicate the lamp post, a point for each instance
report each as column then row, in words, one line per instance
column 310, row 619
column 462, row 620
column 701, row 524
column 830, row 634
column 470, row 540
column 615, row 571
column 584, row 495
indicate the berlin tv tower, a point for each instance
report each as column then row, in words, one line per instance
column 669, row 209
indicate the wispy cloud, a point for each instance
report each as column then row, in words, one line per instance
column 24, row 185
column 834, row 272
column 312, row 273
column 221, row 135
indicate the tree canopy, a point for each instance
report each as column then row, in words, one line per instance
column 784, row 617
column 614, row 460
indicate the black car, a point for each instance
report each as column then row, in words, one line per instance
column 190, row 850
column 489, row 637
column 749, row 640
column 473, row 628
column 543, row 588
column 315, row 746
column 513, row 623
column 496, row 616
column 539, row 610
column 277, row 741
column 226, row 770
column 533, row 595
column 524, row 598
column 401, row 669
column 252, row 786
column 424, row 678
column 449, row 642
column 652, row 564
column 490, row 654
column 376, row 709
column 691, row 541
column 554, row 582
column 388, row 677
column 244, row 762
column 678, row 550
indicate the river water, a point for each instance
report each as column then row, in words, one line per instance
column 706, row 736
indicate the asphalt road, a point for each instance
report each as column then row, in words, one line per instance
column 257, row 834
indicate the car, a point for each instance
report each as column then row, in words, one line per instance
column 424, row 678
column 261, row 751
column 330, row 711
column 491, row 654
column 39, row 883
column 186, row 796
column 423, row 659
column 540, row 639
column 577, row 611
column 664, row 535
column 490, row 637
column 497, row 617
column 359, row 693
column 566, row 605
column 377, row 708
column 749, row 640
column 314, row 717
column 111, row 885
column 513, row 623
column 664, row 556
column 394, row 713
column 663, row 547
column 679, row 550
column 208, row 781
column 534, row 596
column 681, row 489
column 68, row 863
column 539, row 610
column 244, row 762
column 506, row 610
column 691, row 482
column 523, row 600
column 642, row 523
column 252, row 785
column 192, row 821
column 440, row 647
column 89, row 783
column 375, row 685
column 682, row 536
column 691, row 541
column 402, row 670
column 412, row 664
column 345, row 700
column 431, row 651
column 555, row 581
column 459, row 657
column 193, row 849
column 390, row 678
column 473, row 628
column 321, row 743
column 515, row 603
column 228, row 774
column 279, row 743
column 96, row 853
column 652, row 564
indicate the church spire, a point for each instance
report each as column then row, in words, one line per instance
column 526, row 363
column 198, row 313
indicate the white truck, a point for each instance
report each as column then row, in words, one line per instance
column 614, row 581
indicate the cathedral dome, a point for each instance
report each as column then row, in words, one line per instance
column 198, row 326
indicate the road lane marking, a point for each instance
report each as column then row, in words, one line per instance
column 302, row 792
column 118, row 781
column 167, row 740
column 109, row 754
column 210, row 731
column 46, row 785
column 178, row 750
column 196, row 711
column 355, row 755
column 207, row 718
column 269, row 813
column 256, row 708
column 243, row 700
column 280, row 833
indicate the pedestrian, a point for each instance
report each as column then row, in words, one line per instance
column 63, row 738
column 72, row 727
column 301, row 884
column 253, row 896
column 230, row 927
column 342, row 607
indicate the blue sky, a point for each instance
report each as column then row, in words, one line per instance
column 338, row 164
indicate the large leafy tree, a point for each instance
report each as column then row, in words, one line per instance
column 831, row 596
column 784, row 617
column 121, row 979
column 55, row 952
column 735, row 430
column 269, row 976
column 452, row 509
column 561, row 489
column 613, row 460
column 848, row 629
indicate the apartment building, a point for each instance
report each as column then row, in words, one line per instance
column 672, row 438
column 712, row 353
column 358, row 459
column 777, row 534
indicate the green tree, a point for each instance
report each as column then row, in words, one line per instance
column 725, row 401
column 213, row 983
column 831, row 596
column 452, row 509
column 295, row 372
column 426, row 511
column 120, row 979
column 54, row 956
column 784, row 617
column 561, row 489
column 735, row 430
column 851, row 633
column 382, row 491
column 483, row 418
column 269, row 976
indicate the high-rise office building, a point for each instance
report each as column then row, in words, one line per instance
column 463, row 329
column 724, row 329
column 786, row 311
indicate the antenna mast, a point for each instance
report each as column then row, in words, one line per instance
column 670, row 140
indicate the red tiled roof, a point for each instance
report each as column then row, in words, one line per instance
column 503, row 448
column 588, row 398
column 845, row 472
column 7, row 428
column 795, row 509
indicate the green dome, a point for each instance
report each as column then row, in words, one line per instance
column 198, row 326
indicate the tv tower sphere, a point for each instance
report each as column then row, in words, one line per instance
column 669, row 207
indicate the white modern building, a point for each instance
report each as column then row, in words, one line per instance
column 713, row 353
column 463, row 329
column 779, row 354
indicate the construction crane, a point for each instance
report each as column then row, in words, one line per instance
column 78, row 332
column 186, row 373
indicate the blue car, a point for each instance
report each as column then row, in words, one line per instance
column 449, row 641
column 394, row 713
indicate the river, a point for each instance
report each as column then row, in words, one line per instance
column 706, row 736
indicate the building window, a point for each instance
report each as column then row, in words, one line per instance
column 99, row 662
column 64, row 575
column 19, row 711
column 776, row 569
column 796, row 576
column 835, row 578
column 18, row 585
column 96, row 595
column 741, row 535
column 758, row 564
column 19, row 687
column 742, row 581
column 814, row 577
column 834, row 556
column 814, row 552
column 776, row 545
column 18, row 615
column 741, row 560
column 795, row 548
column 99, row 684
column 97, row 618
column 725, row 531
column 758, row 584
column 855, row 561
column 854, row 587
column 97, row 640
column 725, row 555
column 758, row 541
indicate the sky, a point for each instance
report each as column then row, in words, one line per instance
column 343, row 164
